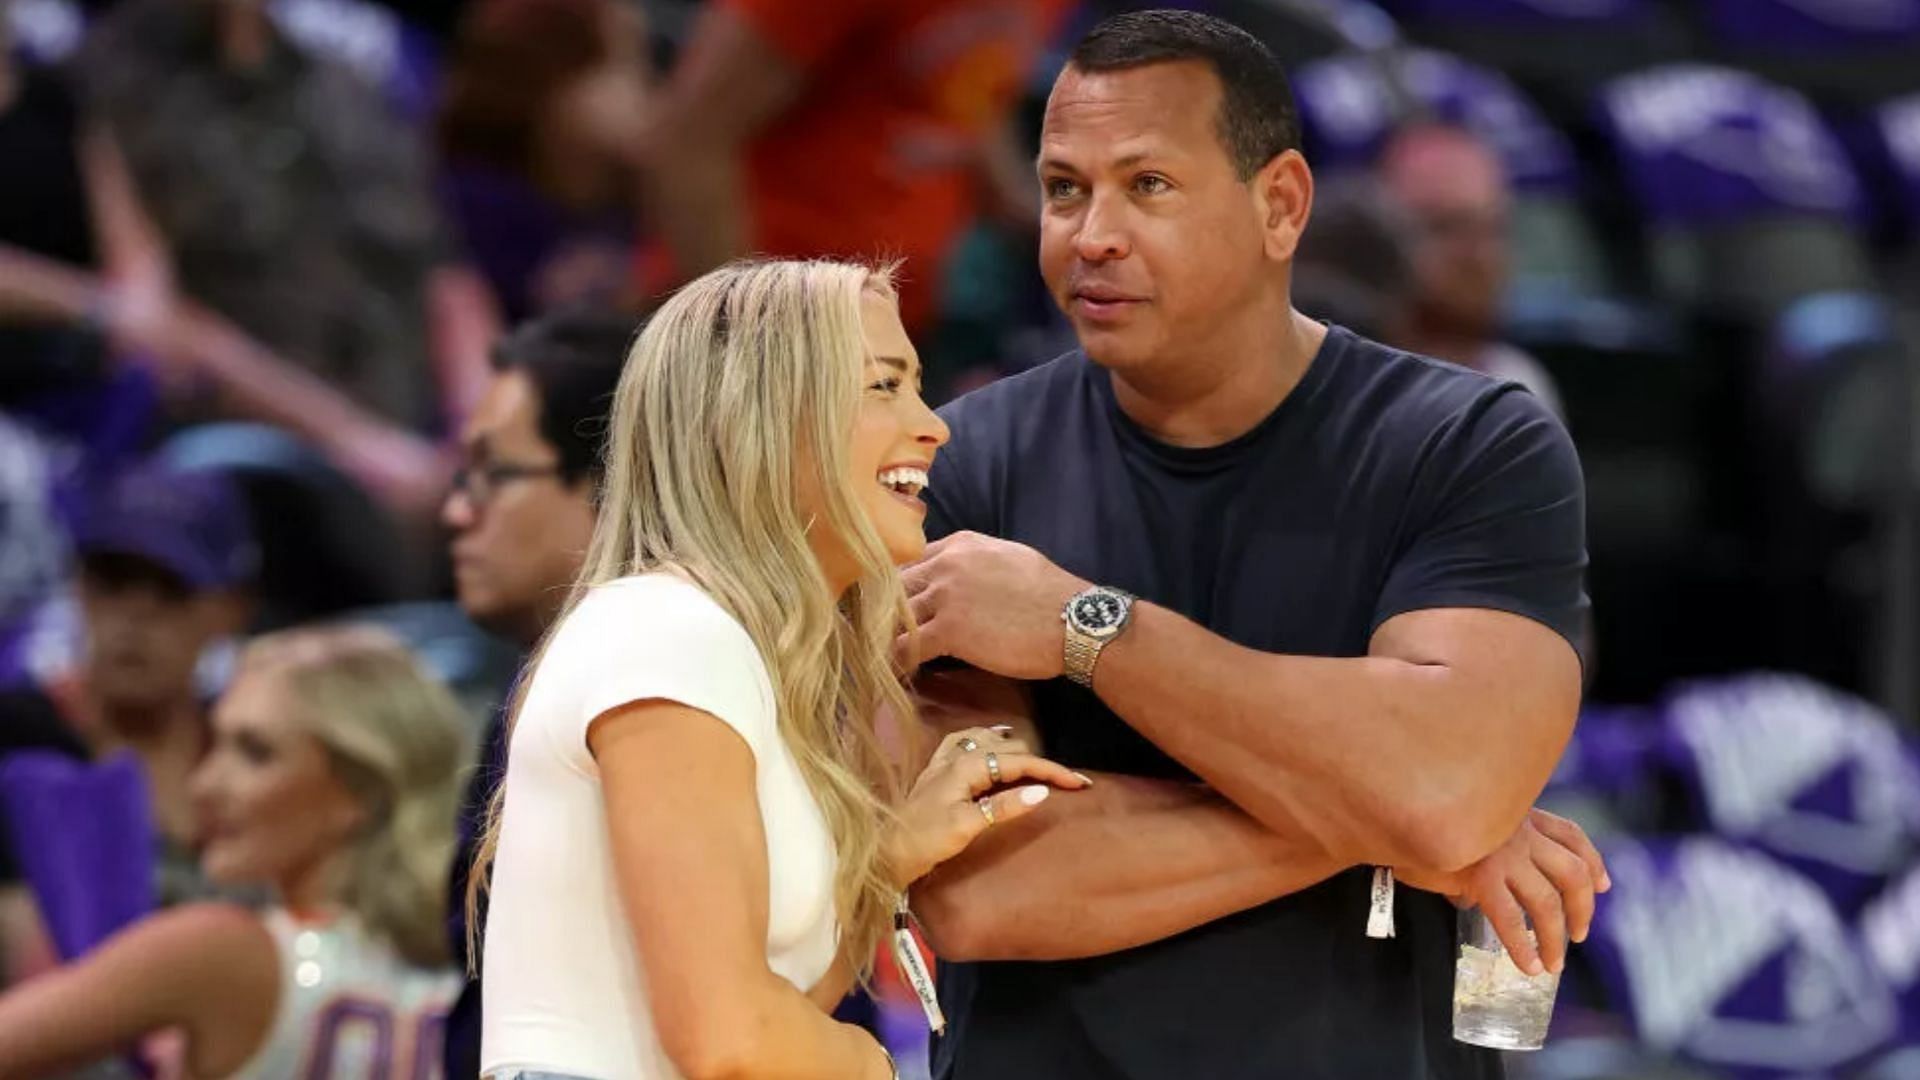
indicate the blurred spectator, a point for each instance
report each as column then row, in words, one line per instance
column 1354, row 265
column 165, row 561
column 264, row 236
column 330, row 781
column 521, row 513
column 848, row 128
column 287, row 198
column 1457, row 193
column 521, row 510
column 544, row 100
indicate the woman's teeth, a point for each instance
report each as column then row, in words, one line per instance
column 906, row 481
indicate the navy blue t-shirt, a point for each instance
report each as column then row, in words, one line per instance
column 1384, row 483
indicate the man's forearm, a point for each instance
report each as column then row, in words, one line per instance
column 1387, row 761
column 1121, row 864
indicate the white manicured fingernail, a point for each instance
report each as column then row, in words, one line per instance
column 1034, row 796
column 1084, row 778
column 1001, row 729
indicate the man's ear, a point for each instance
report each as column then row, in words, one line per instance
column 1283, row 192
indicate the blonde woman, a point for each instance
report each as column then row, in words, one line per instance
column 700, row 839
column 332, row 779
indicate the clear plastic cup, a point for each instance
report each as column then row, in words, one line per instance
column 1495, row 1004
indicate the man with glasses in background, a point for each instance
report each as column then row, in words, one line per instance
column 521, row 512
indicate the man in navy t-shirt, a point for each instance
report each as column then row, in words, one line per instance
column 1305, row 605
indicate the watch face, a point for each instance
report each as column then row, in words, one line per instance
column 1098, row 612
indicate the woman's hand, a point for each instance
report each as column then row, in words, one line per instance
column 971, row 784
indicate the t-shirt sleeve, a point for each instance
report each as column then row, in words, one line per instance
column 806, row 31
column 1498, row 521
column 655, row 640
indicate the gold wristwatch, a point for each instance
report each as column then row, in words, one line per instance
column 1093, row 619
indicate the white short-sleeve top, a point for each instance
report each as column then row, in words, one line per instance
column 563, row 984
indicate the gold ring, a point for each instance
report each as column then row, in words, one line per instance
column 985, row 803
column 993, row 768
column 968, row 745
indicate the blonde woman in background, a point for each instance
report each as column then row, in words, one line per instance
column 700, row 839
column 332, row 779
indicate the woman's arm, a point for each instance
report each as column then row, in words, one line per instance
column 689, row 856
column 210, row 969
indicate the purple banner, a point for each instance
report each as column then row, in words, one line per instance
column 1795, row 26
column 1727, row 958
column 1349, row 109
column 1703, row 144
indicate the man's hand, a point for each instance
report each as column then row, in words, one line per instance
column 992, row 603
column 1548, row 872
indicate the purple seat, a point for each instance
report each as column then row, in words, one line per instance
column 1804, row 27
column 1523, row 12
column 1752, row 200
column 1701, row 144
column 1722, row 956
column 1349, row 109
column 1557, row 49
column 1815, row 778
column 83, row 835
column 1890, row 936
column 1843, row 52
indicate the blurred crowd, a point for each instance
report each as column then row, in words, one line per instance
column 308, row 310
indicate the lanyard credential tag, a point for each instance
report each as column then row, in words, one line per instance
column 1380, row 916
column 906, row 956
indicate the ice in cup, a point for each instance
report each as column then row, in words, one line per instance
column 1495, row 1004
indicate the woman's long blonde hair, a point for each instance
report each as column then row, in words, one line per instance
column 740, row 393
column 395, row 736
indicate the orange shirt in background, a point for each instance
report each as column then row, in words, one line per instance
column 878, row 157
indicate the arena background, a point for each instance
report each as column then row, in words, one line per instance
column 1714, row 234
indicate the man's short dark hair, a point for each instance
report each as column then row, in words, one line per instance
column 574, row 362
column 1258, row 120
